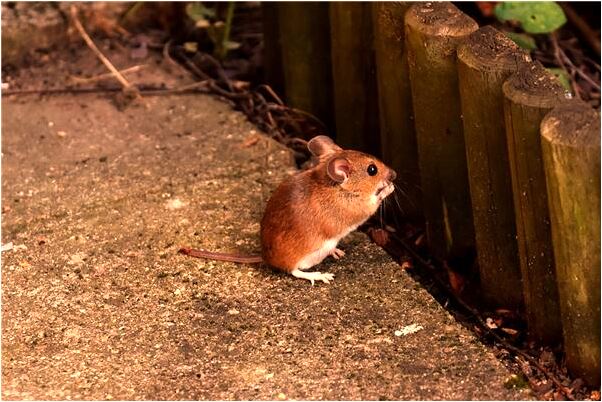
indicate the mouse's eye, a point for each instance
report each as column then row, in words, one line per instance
column 372, row 169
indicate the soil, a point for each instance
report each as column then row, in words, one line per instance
column 97, row 304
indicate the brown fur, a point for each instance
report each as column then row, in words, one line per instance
column 310, row 208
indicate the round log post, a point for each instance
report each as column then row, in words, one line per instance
column 485, row 60
column 354, row 77
column 305, row 43
column 570, row 137
column 528, row 96
column 433, row 31
column 272, row 48
column 397, row 134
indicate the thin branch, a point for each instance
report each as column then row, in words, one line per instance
column 590, row 36
column 562, row 58
column 272, row 93
column 85, row 80
column 95, row 49
column 146, row 89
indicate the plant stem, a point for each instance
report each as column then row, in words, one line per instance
column 223, row 51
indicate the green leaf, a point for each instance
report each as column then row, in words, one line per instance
column 563, row 77
column 534, row 16
column 197, row 11
column 523, row 40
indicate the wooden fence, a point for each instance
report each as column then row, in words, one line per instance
column 493, row 153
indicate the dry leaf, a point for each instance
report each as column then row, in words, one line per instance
column 250, row 141
column 380, row 237
column 407, row 265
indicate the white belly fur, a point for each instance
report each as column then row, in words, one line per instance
column 316, row 257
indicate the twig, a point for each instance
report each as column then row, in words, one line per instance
column 272, row 93
column 501, row 341
column 218, row 68
column 588, row 34
column 562, row 58
column 146, row 89
column 95, row 49
column 84, row 80
column 197, row 71
column 167, row 56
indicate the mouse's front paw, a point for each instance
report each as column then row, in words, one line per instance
column 337, row 253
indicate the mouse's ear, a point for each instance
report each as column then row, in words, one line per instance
column 322, row 145
column 338, row 169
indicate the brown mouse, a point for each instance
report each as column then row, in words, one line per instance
column 311, row 211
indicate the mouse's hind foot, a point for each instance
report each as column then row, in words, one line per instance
column 313, row 276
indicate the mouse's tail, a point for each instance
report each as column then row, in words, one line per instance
column 245, row 259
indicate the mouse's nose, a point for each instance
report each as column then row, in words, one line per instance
column 392, row 175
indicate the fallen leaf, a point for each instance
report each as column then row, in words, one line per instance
column 379, row 236
column 407, row 265
column 456, row 281
column 542, row 387
column 510, row 331
column 486, row 7
column 490, row 323
column 8, row 246
column 250, row 141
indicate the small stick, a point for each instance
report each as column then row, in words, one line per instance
column 94, row 48
column 272, row 93
column 482, row 322
column 147, row 90
column 563, row 58
column 167, row 56
column 588, row 33
column 84, row 80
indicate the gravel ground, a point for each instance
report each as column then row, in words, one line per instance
column 97, row 304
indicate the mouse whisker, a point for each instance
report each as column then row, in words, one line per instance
column 398, row 203
column 406, row 196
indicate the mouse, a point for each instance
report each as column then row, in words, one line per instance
column 310, row 212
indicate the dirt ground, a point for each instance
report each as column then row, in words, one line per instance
column 97, row 304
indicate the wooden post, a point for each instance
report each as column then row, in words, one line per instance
column 397, row 134
column 528, row 96
column 354, row 77
column 571, row 153
column 305, row 38
column 272, row 48
column 485, row 60
column 433, row 31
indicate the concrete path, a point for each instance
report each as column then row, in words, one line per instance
column 97, row 304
